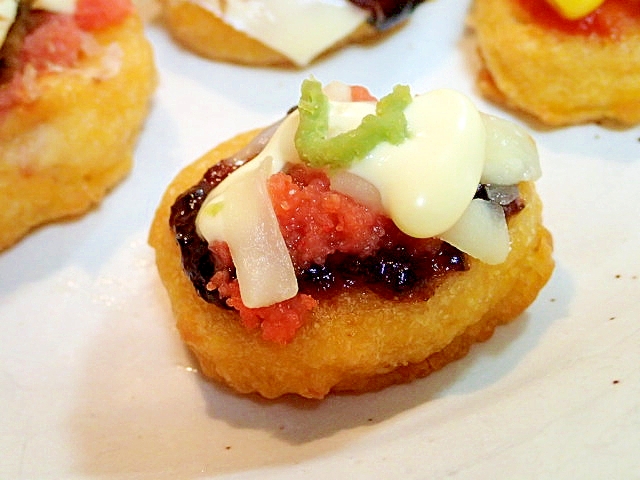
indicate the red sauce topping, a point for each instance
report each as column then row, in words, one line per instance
column 56, row 41
column 316, row 221
column 611, row 20
column 97, row 14
column 278, row 323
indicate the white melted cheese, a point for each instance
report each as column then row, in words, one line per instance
column 298, row 29
column 56, row 6
column 509, row 150
column 426, row 184
column 9, row 9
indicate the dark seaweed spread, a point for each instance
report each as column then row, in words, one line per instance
column 403, row 267
column 387, row 13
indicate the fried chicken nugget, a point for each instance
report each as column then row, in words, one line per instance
column 356, row 341
column 558, row 77
column 206, row 34
column 61, row 153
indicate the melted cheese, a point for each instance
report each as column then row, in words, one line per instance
column 298, row 29
column 427, row 182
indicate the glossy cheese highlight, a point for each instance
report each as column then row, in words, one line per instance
column 426, row 183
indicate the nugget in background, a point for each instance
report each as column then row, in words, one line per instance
column 70, row 115
column 279, row 32
column 563, row 62
column 354, row 244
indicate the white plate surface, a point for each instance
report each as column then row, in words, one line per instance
column 94, row 381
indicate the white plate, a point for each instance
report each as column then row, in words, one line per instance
column 94, row 381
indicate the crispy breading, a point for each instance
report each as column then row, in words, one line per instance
column 204, row 33
column 559, row 78
column 357, row 341
column 60, row 154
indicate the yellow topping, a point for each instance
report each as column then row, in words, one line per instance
column 575, row 9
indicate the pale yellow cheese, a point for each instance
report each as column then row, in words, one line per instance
column 427, row 182
column 298, row 29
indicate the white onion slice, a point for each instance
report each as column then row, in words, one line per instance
column 511, row 154
column 57, row 6
column 502, row 194
column 8, row 13
column 337, row 91
column 256, row 145
column 357, row 188
column 481, row 232
column 264, row 268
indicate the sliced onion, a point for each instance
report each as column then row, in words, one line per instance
column 337, row 91
column 502, row 194
column 263, row 266
column 511, row 154
column 255, row 146
column 357, row 188
column 481, row 232
column 57, row 6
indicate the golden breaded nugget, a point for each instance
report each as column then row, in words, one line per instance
column 357, row 341
column 560, row 78
column 62, row 152
column 201, row 31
